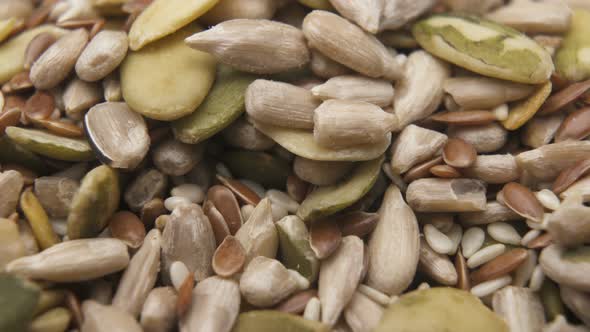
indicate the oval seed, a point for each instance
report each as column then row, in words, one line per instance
column 499, row 266
column 192, row 192
column 50, row 145
column 36, row 47
column 40, row 105
column 458, row 153
column 548, row 199
column 445, row 171
column 485, row 255
column 325, row 237
column 521, row 200
column 565, row 96
column 490, row 286
column 127, row 227
column 576, row 126
column 229, row 257
column 504, row 233
column 178, row 274
column 570, row 175
column 437, row 240
column 465, row 118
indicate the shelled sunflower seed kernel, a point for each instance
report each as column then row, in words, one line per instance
column 310, row 165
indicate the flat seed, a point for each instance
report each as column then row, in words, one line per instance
column 39, row 106
column 38, row 220
column 565, row 96
column 465, row 118
column 421, row 170
column 576, row 126
column 242, row 192
column 472, row 241
column 537, row 279
column 226, row 203
column 51, row 145
column 489, row 287
column 437, row 240
column 499, row 266
column 104, row 318
column 504, row 233
column 295, row 247
column 175, row 158
column 24, row 296
column 297, row 302
column 36, row 47
column 55, row 194
column 56, row 319
column 12, row 246
column 325, row 238
column 485, row 255
column 437, row 266
column 524, row 272
column 548, row 199
column 229, row 257
column 9, row 118
column 103, row 54
column 463, row 278
column 18, row 83
column 540, row 242
column 482, row 93
column 185, row 294
column 218, row 223
column 148, row 185
column 128, row 228
column 445, row 171
column 178, row 274
column 271, row 320
column 357, row 223
column 159, row 310
column 522, row 201
column 458, row 153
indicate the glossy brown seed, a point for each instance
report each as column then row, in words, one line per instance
column 225, row 201
column 297, row 302
column 38, row 16
column 463, row 281
column 297, row 188
column 18, row 83
column 324, row 237
column 8, row 119
column 465, row 118
column 570, row 175
column 242, row 192
column 521, row 200
column 75, row 309
column 540, row 242
column 501, row 265
column 39, row 106
column 422, row 170
column 565, row 96
column 185, row 294
column 128, row 228
column 357, row 223
column 152, row 210
column 445, row 171
column 218, row 224
column 62, row 128
column 576, row 126
column 36, row 47
column 458, row 153
column 14, row 102
column 229, row 257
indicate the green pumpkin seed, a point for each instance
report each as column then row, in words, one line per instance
column 38, row 220
column 522, row 111
column 573, row 58
column 167, row 80
column 440, row 309
column 94, row 203
column 295, row 247
column 266, row 169
column 484, row 47
column 223, row 104
column 11, row 153
column 55, row 320
column 302, row 143
column 12, row 52
column 551, row 299
column 328, row 200
column 272, row 321
column 17, row 303
column 50, row 145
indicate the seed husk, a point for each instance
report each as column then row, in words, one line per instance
column 328, row 200
column 393, row 245
column 458, row 153
column 256, row 46
column 128, row 228
column 484, row 47
column 118, row 135
column 74, row 260
column 166, row 80
column 51, row 145
column 570, row 60
column 296, row 251
column 421, row 170
column 436, row 308
column 223, row 104
column 217, row 220
column 270, row 321
column 522, row 201
column 19, row 298
column 524, row 110
column 229, row 257
column 38, row 220
column 576, row 126
column 226, row 203
column 463, row 278
column 94, row 203
column 473, row 93
column 415, row 145
column 259, row 235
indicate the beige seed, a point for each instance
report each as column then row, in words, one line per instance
column 312, row 309
column 103, row 54
column 577, row 301
column 569, row 225
column 567, row 272
column 540, row 130
column 356, row 87
column 79, row 96
column 321, row 173
column 495, row 168
column 537, row 279
column 545, row 162
column 324, row 67
column 504, row 233
column 226, row 10
column 489, row 287
column 472, row 241
column 533, row 17
column 484, row 138
column 55, row 64
column 464, row 118
column 128, row 228
column 112, row 88
column 257, row 46
column 494, row 211
column 36, row 47
column 397, row 13
column 437, row 266
column 159, row 310
column 258, row 235
column 373, row 294
column 437, row 240
column 366, row 14
column 178, row 274
column 478, row 92
column 446, row 195
column 485, row 255
column 520, row 308
column 106, row 318
column 413, row 146
column 548, row 199
column 362, row 314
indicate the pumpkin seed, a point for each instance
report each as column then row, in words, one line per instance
column 223, row 104
column 167, row 80
column 524, row 110
column 50, row 145
column 12, row 153
column 328, row 200
column 295, row 249
column 572, row 59
column 261, row 167
column 18, row 301
column 485, row 47
column 440, row 309
column 38, row 220
column 55, row 320
column 271, row 321
column 303, row 144
column 94, row 203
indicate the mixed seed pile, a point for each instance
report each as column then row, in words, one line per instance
column 282, row 165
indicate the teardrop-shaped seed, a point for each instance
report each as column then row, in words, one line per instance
column 259, row 235
column 225, row 202
column 570, row 175
column 51, row 145
column 324, row 237
column 576, row 126
column 463, row 279
column 94, row 203
column 242, row 192
column 522, row 201
column 19, row 298
column 465, row 118
column 217, row 220
column 357, row 223
column 229, row 257
column 9, row 118
column 36, row 47
column 458, row 153
column 39, row 106
column 328, row 200
column 118, row 135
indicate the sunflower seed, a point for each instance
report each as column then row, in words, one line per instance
column 159, row 310
column 436, row 266
column 413, row 146
column 104, row 318
column 103, row 54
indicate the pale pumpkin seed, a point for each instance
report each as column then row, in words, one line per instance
column 17, row 303
column 94, row 203
column 272, row 321
column 573, row 58
column 261, row 167
column 167, row 80
column 50, row 145
column 295, row 249
column 222, row 106
column 440, row 309
column 302, row 143
column 38, row 220
column 484, row 47
column 164, row 17
column 524, row 110
column 328, row 200
column 55, row 320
